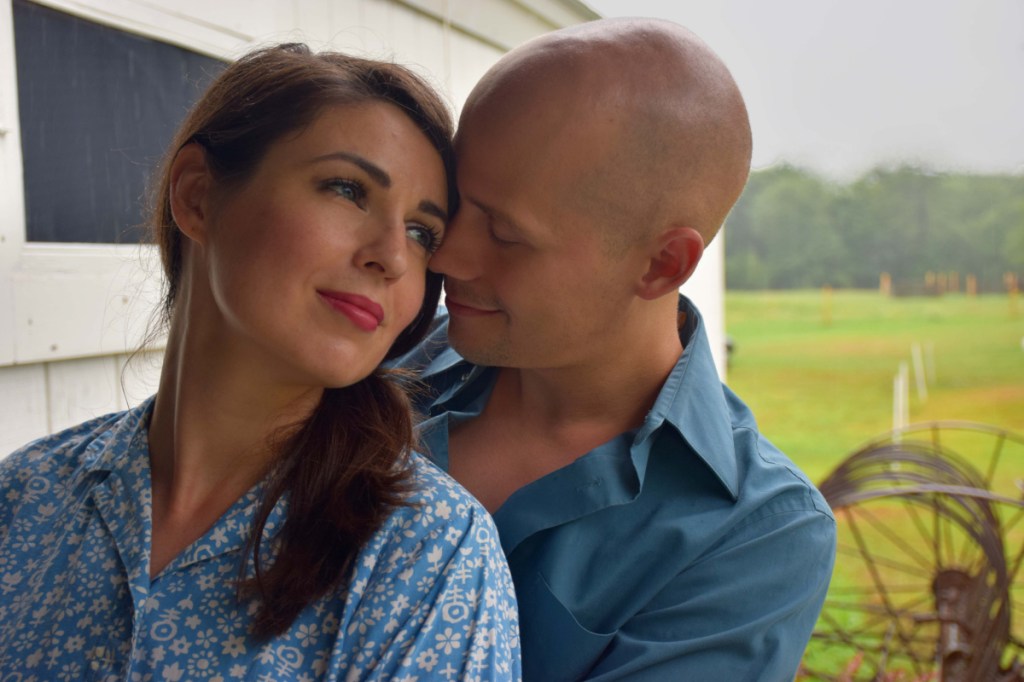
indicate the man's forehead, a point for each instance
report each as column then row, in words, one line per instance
column 538, row 121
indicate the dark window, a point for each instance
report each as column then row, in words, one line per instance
column 98, row 107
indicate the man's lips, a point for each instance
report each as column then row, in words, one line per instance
column 458, row 308
column 362, row 311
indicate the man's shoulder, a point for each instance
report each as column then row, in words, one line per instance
column 769, row 477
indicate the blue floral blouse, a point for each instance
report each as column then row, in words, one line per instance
column 430, row 597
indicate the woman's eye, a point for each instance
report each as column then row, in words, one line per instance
column 425, row 236
column 351, row 190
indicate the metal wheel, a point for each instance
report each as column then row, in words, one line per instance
column 928, row 569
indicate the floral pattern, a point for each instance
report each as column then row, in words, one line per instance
column 429, row 599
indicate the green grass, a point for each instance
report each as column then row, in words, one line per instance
column 817, row 369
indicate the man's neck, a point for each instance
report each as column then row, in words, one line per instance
column 538, row 421
column 611, row 398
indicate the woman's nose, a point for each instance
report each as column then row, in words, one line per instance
column 386, row 250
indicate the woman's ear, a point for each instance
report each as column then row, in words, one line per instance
column 190, row 192
column 674, row 256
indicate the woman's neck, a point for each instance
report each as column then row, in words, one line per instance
column 211, row 436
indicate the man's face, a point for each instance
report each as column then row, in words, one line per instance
column 529, row 281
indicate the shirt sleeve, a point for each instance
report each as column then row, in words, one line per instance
column 11, row 485
column 453, row 615
column 743, row 612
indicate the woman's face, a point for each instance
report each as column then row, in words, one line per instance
column 318, row 261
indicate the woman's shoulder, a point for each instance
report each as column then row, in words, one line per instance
column 439, row 517
column 435, row 580
column 438, row 499
column 60, row 454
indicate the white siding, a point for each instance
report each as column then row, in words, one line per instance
column 24, row 413
column 42, row 398
column 706, row 288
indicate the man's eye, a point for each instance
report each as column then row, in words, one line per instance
column 497, row 239
column 425, row 236
column 351, row 190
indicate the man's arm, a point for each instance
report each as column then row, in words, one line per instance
column 745, row 611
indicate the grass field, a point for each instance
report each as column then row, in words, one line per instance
column 818, row 369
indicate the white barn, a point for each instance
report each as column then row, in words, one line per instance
column 73, row 309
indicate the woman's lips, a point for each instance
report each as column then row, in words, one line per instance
column 362, row 311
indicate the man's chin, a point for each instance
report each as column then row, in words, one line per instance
column 475, row 348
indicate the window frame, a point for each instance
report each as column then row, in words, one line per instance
column 61, row 301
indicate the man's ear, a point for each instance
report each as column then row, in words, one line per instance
column 673, row 258
column 190, row 192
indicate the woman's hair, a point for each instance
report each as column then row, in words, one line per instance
column 346, row 467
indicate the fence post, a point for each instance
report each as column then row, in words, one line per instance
column 900, row 400
column 919, row 376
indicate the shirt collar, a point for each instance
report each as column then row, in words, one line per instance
column 127, row 442
column 125, row 454
column 693, row 404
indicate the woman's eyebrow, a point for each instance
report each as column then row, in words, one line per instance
column 379, row 175
column 433, row 209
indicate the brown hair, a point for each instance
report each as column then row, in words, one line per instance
column 345, row 468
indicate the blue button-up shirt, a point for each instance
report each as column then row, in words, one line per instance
column 429, row 597
column 688, row 549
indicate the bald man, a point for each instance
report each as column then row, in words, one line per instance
column 652, row 532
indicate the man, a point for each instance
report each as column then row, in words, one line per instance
column 651, row 531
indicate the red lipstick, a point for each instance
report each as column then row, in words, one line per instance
column 363, row 312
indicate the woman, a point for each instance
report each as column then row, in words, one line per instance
column 262, row 516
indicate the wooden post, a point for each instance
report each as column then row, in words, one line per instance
column 1012, row 290
column 900, row 400
column 826, row 305
column 929, row 361
column 917, row 359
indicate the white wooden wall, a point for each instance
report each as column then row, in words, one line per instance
column 70, row 313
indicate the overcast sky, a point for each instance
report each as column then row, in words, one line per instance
column 842, row 85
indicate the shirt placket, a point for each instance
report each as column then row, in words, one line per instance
column 129, row 526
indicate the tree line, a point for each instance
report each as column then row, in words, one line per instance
column 792, row 228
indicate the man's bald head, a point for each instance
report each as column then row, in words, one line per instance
column 643, row 118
